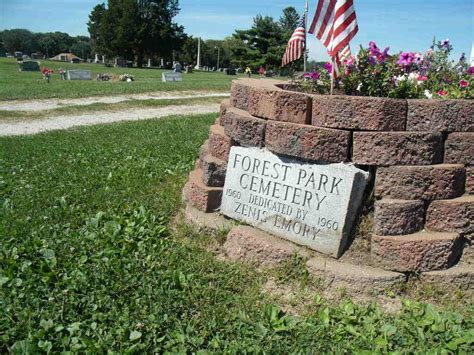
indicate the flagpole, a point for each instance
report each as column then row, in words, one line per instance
column 305, row 54
column 332, row 74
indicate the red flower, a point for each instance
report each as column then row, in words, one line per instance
column 463, row 84
column 442, row 93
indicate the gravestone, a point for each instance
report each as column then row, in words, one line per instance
column 121, row 63
column 170, row 77
column 310, row 204
column 29, row 65
column 79, row 75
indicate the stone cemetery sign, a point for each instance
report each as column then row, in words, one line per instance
column 310, row 204
column 169, row 76
column 29, row 65
column 79, row 75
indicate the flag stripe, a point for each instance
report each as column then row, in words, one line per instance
column 335, row 24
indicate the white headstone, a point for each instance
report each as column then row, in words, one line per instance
column 310, row 204
column 171, row 76
column 79, row 75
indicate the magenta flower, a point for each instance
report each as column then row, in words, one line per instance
column 312, row 75
column 349, row 62
column 442, row 93
column 406, row 59
column 328, row 67
column 470, row 71
column 376, row 54
column 463, row 84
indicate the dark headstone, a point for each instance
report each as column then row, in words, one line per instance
column 29, row 65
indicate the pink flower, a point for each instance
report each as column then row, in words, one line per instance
column 312, row 75
column 470, row 71
column 328, row 67
column 406, row 59
column 349, row 62
column 442, row 93
column 463, row 84
column 420, row 77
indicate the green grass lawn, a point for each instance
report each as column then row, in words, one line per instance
column 88, row 262
column 15, row 85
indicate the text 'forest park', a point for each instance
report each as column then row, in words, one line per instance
column 268, row 180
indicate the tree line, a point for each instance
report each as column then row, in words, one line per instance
column 138, row 30
column 46, row 44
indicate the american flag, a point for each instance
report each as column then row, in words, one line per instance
column 344, row 54
column 296, row 45
column 334, row 24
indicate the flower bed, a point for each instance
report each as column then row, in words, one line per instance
column 374, row 72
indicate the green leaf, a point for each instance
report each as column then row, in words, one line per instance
column 135, row 335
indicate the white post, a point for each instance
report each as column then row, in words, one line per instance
column 198, row 65
column 103, row 59
column 472, row 56
column 149, row 63
column 96, row 60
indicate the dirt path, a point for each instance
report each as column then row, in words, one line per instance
column 64, row 122
column 39, row 105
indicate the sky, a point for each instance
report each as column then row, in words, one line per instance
column 407, row 25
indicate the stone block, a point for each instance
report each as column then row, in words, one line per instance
column 422, row 251
column 459, row 148
column 470, row 180
column 398, row 217
column 225, row 104
column 204, row 198
column 244, row 128
column 356, row 279
column 281, row 105
column 429, row 182
column 359, row 113
column 397, row 148
column 456, row 215
column 440, row 115
column 459, row 276
column 308, row 142
column 219, row 142
column 239, row 94
column 249, row 244
column 206, row 221
column 213, row 170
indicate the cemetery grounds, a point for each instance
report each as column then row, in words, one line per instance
column 94, row 255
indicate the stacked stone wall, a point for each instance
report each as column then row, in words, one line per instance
column 421, row 151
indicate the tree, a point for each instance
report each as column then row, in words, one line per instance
column 19, row 40
column 81, row 46
column 289, row 20
column 265, row 43
column 94, row 27
column 136, row 28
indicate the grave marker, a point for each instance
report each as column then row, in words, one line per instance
column 29, row 65
column 310, row 204
column 170, row 77
column 79, row 75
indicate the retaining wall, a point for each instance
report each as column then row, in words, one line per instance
column 421, row 152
